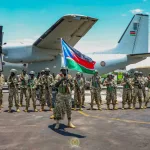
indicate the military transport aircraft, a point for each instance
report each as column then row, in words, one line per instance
column 46, row 51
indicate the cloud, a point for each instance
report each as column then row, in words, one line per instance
column 123, row 15
column 136, row 11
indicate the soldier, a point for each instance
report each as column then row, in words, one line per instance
column 83, row 95
column 2, row 81
column 137, row 91
column 47, row 82
column 23, row 86
column 110, row 93
column 63, row 98
column 143, row 81
column 13, row 90
column 32, row 85
column 147, row 91
column 127, row 91
column 95, row 88
column 113, row 77
column 78, row 90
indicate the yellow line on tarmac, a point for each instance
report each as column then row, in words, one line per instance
column 116, row 119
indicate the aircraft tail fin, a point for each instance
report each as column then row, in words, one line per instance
column 135, row 38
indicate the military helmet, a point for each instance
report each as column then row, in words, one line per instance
column 141, row 73
column 78, row 73
column 42, row 71
column 63, row 68
column 109, row 74
column 96, row 71
column 136, row 73
column 47, row 69
column 13, row 70
column 32, row 73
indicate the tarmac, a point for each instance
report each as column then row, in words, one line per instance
column 95, row 130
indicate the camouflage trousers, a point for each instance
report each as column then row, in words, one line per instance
column 144, row 93
column 95, row 95
column 63, row 105
column 40, row 93
column 13, row 94
column 46, row 96
column 23, row 91
column 111, row 96
column 32, row 95
column 78, row 97
column 147, row 99
column 1, row 97
column 83, row 96
column 137, row 93
column 126, row 97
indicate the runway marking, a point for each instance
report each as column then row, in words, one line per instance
column 116, row 119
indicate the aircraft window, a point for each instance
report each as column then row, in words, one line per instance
column 3, row 63
column 135, row 25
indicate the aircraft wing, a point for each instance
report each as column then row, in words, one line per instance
column 70, row 27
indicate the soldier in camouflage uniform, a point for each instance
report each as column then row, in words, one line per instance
column 137, row 90
column 23, row 87
column 2, row 81
column 95, row 87
column 110, row 93
column 147, row 91
column 47, row 82
column 83, row 95
column 78, row 90
column 32, row 85
column 63, row 102
column 113, row 77
column 127, row 91
column 13, row 90
column 143, row 81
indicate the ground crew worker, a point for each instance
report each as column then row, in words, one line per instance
column 83, row 95
column 2, row 81
column 137, row 91
column 78, row 91
column 143, row 82
column 13, row 90
column 127, row 91
column 110, row 92
column 63, row 102
column 47, row 82
column 95, row 88
column 23, row 86
column 32, row 85
column 147, row 91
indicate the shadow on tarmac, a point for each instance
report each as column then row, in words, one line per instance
column 63, row 132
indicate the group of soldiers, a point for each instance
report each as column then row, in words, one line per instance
column 134, row 88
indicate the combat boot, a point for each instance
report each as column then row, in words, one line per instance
column 140, row 106
column 133, row 106
column 114, row 107
column 80, row 108
column 17, row 110
column 70, row 124
column 42, row 108
column 50, row 109
column 57, row 125
column 26, row 110
column 35, row 110
column 129, row 106
column 108, row 107
column 145, row 106
column 123, row 107
column 52, row 117
column 9, row 110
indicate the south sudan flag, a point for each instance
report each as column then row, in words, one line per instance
column 132, row 33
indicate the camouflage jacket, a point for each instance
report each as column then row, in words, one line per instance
column 110, row 84
column 127, row 83
column 95, row 82
column 47, row 81
column 12, row 82
column 32, row 83
column 2, row 81
column 78, row 84
column 65, row 87
column 23, row 80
